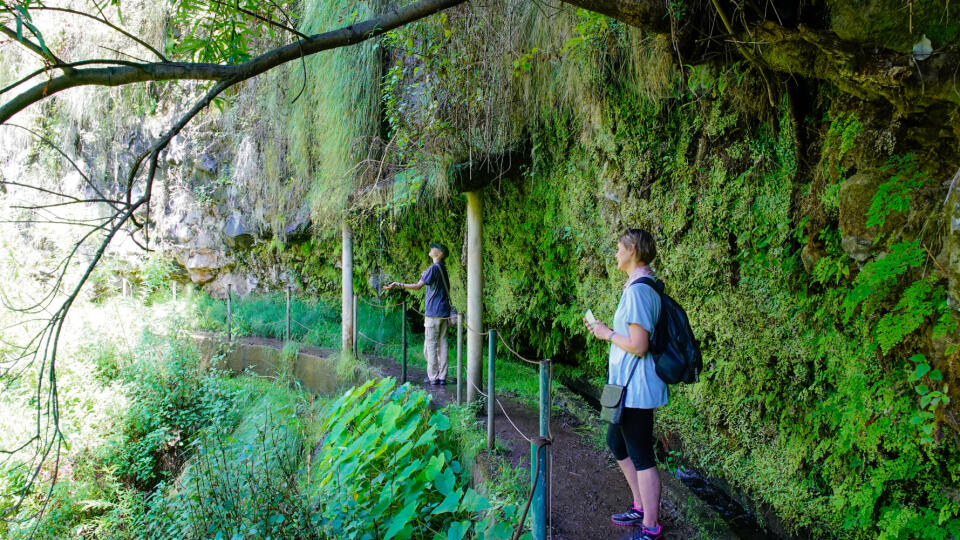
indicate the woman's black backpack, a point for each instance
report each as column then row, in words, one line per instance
column 676, row 352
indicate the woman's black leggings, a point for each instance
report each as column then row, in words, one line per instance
column 633, row 437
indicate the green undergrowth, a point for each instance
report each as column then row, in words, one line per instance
column 191, row 451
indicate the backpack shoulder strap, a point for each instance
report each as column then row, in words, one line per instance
column 651, row 282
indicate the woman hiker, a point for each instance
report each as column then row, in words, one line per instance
column 437, row 312
column 631, row 441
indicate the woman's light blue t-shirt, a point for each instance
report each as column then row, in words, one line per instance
column 639, row 304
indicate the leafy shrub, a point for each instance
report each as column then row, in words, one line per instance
column 175, row 399
column 241, row 483
column 155, row 273
column 106, row 358
column 895, row 194
column 386, row 470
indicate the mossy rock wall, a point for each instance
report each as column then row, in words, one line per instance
column 807, row 407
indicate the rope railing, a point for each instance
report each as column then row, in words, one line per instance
column 540, row 484
column 452, row 318
column 507, row 416
column 368, row 338
column 499, row 335
column 382, row 306
column 515, row 353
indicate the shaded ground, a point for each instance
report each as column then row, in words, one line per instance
column 586, row 484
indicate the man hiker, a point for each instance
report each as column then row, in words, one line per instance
column 437, row 312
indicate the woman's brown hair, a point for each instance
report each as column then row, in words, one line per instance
column 642, row 241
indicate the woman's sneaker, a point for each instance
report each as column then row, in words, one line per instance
column 644, row 533
column 631, row 517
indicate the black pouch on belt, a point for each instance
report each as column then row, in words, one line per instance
column 613, row 398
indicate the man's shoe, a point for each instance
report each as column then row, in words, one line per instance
column 644, row 533
column 442, row 382
column 631, row 517
column 428, row 381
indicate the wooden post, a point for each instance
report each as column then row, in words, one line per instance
column 491, row 396
column 287, row 334
column 346, row 297
column 459, row 357
column 474, row 295
column 403, row 342
column 229, row 315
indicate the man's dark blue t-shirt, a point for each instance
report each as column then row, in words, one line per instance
column 438, row 290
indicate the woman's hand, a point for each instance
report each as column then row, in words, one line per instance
column 598, row 329
column 391, row 285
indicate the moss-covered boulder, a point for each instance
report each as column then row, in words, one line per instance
column 856, row 193
column 895, row 24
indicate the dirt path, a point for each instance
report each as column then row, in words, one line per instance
column 586, row 484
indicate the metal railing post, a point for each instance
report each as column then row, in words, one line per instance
column 356, row 347
column 403, row 342
column 459, row 357
column 287, row 334
column 229, row 315
column 540, row 460
column 491, row 397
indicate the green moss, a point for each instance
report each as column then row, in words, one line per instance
column 805, row 407
column 795, row 408
column 896, row 24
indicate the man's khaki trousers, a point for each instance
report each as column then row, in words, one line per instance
column 435, row 347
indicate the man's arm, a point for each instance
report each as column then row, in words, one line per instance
column 427, row 276
column 414, row 286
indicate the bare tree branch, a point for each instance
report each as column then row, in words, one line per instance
column 648, row 14
column 165, row 71
column 47, row 68
column 271, row 22
column 45, row 55
column 68, row 158
column 107, row 23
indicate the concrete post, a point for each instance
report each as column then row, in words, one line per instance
column 346, row 298
column 474, row 295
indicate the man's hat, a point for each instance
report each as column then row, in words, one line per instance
column 443, row 249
